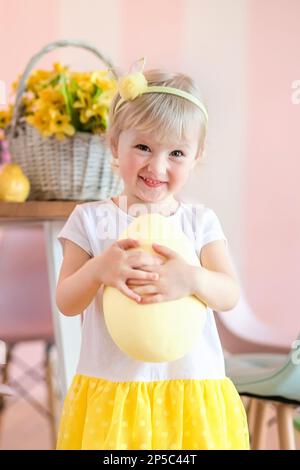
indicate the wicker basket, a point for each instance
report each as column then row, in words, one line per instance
column 76, row 168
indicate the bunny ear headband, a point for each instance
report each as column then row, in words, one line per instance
column 134, row 84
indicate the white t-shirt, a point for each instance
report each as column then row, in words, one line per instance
column 96, row 225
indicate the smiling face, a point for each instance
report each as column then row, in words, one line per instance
column 166, row 165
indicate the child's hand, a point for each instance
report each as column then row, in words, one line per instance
column 174, row 279
column 117, row 265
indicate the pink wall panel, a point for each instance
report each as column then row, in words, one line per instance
column 152, row 29
column 271, row 222
column 26, row 26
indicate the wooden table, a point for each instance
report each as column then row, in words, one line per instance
column 52, row 216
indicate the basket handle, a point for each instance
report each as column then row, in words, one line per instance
column 48, row 48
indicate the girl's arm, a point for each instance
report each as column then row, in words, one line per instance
column 79, row 280
column 81, row 276
column 215, row 282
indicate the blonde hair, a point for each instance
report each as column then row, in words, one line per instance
column 167, row 115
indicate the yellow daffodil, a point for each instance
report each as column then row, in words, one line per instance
column 50, row 97
column 60, row 125
column 103, row 80
column 6, row 116
column 41, row 120
column 59, row 68
column 15, row 84
column 84, row 81
column 28, row 104
column 37, row 80
column 84, row 99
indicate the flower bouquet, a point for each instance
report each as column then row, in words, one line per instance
column 56, row 129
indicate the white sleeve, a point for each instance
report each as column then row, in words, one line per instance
column 212, row 229
column 75, row 229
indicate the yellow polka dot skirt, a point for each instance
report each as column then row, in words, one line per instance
column 170, row 414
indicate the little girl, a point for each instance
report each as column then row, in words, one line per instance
column 157, row 128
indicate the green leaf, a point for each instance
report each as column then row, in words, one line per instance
column 97, row 93
column 73, row 86
column 88, row 126
column 69, row 98
column 64, row 91
column 51, row 81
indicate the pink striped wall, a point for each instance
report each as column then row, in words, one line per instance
column 246, row 52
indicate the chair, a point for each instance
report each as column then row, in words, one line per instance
column 25, row 312
column 269, row 379
column 242, row 332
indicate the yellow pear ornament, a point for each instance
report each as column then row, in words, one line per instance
column 14, row 184
column 158, row 332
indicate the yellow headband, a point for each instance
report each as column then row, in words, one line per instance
column 135, row 84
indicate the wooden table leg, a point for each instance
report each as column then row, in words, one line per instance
column 285, row 425
column 259, row 425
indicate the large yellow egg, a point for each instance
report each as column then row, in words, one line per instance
column 157, row 332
